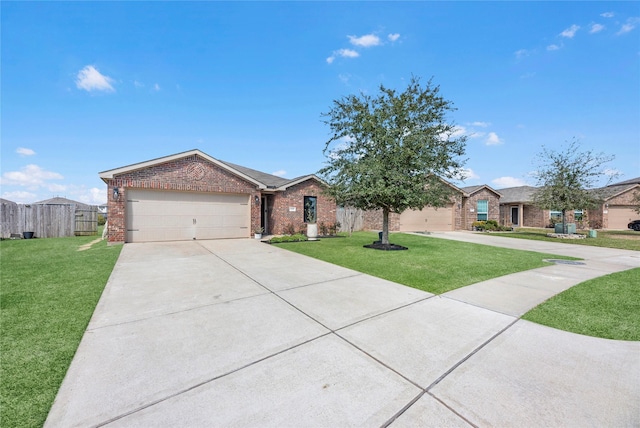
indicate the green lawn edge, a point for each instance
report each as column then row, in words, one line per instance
column 607, row 307
column 431, row 264
column 48, row 295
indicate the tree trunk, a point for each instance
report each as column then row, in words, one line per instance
column 565, row 229
column 385, row 226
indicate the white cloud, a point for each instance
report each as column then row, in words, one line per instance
column 553, row 47
column 469, row 174
column 607, row 15
column 156, row 87
column 481, row 124
column 22, row 151
column 493, row 139
column 528, row 75
column 279, row 173
column 344, row 53
column 365, row 41
column 344, row 78
column 31, row 176
column 628, row 26
column 503, row 182
column 393, row 37
column 19, row 196
column 90, row 79
column 570, row 32
column 596, row 28
column 138, row 84
column 612, row 172
column 522, row 53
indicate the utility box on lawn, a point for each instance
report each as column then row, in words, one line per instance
column 571, row 228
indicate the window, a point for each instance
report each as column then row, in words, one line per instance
column 310, row 212
column 577, row 215
column 555, row 215
column 483, row 210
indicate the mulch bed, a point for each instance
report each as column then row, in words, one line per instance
column 377, row 245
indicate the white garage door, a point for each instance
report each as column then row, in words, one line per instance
column 178, row 216
column 428, row 219
column 621, row 216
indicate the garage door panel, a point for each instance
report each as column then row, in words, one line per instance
column 427, row 219
column 621, row 216
column 172, row 216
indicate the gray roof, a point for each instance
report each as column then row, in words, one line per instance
column 6, row 201
column 470, row 190
column 269, row 180
column 519, row 194
column 614, row 189
column 631, row 181
column 59, row 201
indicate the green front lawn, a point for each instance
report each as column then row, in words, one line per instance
column 621, row 239
column 49, row 292
column 608, row 306
column 430, row 264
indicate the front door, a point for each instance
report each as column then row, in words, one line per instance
column 514, row 216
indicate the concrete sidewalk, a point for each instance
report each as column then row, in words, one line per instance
column 239, row 333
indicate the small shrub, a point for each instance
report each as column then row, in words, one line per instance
column 323, row 228
column 290, row 229
column 101, row 220
column 334, row 227
column 479, row 225
column 288, row 238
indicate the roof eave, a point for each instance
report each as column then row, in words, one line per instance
column 112, row 173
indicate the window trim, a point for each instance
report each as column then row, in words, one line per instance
column 482, row 213
column 314, row 205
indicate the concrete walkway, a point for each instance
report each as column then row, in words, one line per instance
column 239, row 333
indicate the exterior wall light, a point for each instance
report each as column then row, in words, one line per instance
column 116, row 194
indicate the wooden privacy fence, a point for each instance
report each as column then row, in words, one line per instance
column 47, row 221
column 351, row 219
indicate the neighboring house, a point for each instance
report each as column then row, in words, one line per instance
column 517, row 209
column 618, row 207
column 615, row 212
column 468, row 204
column 192, row 195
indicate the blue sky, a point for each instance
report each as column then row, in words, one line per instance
column 88, row 87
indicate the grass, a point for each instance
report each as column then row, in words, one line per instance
column 49, row 292
column 430, row 264
column 606, row 307
column 620, row 239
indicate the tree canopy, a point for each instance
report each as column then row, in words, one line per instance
column 390, row 150
column 568, row 178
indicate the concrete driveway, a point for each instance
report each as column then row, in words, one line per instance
column 240, row 333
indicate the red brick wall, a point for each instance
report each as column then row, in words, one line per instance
column 280, row 216
column 472, row 203
column 191, row 173
column 372, row 220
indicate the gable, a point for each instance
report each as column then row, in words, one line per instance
column 189, row 173
column 199, row 165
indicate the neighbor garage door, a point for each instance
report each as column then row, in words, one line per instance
column 428, row 219
column 177, row 216
column 620, row 216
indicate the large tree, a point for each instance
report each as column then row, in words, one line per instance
column 568, row 179
column 388, row 151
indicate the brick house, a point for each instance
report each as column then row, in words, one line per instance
column 466, row 205
column 192, row 195
column 615, row 211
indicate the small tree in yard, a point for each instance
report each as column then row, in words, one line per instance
column 387, row 152
column 567, row 179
